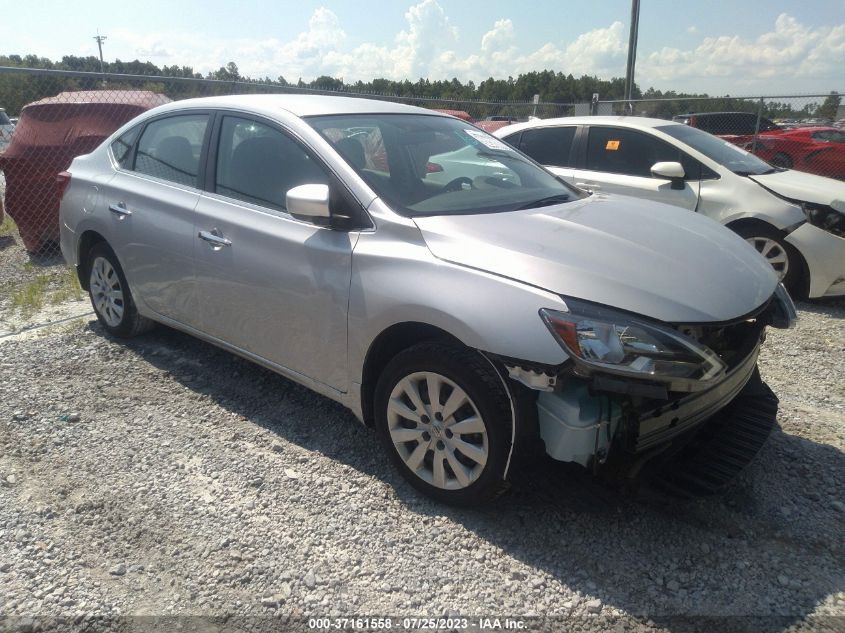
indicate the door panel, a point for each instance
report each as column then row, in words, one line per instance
column 152, row 232
column 267, row 283
column 279, row 289
column 657, row 189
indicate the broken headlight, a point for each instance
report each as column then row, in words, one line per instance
column 825, row 217
column 603, row 339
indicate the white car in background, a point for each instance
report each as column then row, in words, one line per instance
column 794, row 219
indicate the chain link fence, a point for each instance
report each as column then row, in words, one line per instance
column 63, row 114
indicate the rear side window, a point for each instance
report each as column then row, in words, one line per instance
column 121, row 148
column 548, row 145
column 624, row 151
column 170, row 148
column 259, row 164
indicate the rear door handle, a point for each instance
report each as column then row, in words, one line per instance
column 120, row 209
column 216, row 240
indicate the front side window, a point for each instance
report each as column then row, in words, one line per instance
column 424, row 165
column 723, row 152
column 170, row 148
column 258, row 164
column 625, row 151
column 121, row 148
column 548, row 145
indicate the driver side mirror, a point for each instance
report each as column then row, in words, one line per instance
column 309, row 202
column 671, row 170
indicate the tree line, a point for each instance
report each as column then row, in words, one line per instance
column 492, row 96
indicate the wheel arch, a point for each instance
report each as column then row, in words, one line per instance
column 751, row 223
column 389, row 343
column 87, row 241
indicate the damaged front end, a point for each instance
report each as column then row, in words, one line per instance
column 637, row 393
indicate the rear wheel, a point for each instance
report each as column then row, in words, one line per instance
column 110, row 295
column 445, row 420
column 783, row 258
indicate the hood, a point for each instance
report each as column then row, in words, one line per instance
column 798, row 185
column 648, row 258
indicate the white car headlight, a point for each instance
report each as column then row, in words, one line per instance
column 607, row 340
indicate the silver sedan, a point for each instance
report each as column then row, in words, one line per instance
column 448, row 290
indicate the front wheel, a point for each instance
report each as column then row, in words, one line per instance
column 445, row 419
column 782, row 257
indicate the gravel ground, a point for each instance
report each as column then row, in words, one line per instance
column 162, row 476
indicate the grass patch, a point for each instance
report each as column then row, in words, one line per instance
column 69, row 288
column 8, row 227
column 31, row 296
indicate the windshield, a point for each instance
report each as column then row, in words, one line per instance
column 432, row 165
column 4, row 120
column 723, row 152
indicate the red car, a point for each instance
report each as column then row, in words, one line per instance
column 817, row 150
column 49, row 135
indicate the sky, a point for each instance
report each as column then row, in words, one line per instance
column 749, row 47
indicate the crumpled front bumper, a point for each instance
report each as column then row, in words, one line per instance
column 671, row 419
column 825, row 257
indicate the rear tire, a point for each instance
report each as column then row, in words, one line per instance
column 110, row 295
column 781, row 160
column 784, row 258
column 453, row 445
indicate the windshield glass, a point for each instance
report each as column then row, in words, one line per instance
column 432, row 165
column 723, row 152
column 4, row 120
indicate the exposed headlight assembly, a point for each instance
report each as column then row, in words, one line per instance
column 827, row 218
column 600, row 339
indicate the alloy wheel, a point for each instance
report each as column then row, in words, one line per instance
column 437, row 430
column 774, row 253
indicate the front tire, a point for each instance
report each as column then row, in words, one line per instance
column 445, row 419
column 110, row 295
column 784, row 258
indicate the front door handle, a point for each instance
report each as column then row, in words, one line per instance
column 120, row 209
column 214, row 239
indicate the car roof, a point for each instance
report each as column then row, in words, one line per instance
column 301, row 105
column 618, row 121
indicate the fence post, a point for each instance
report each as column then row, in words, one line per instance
column 757, row 126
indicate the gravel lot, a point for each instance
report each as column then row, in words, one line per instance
column 162, row 476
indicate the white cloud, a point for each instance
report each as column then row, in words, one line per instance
column 790, row 53
column 791, row 56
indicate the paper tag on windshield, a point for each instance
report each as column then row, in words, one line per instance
column 612, row 146
column 486, row 140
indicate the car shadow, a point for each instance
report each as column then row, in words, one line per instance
column 760, row 557
column 827, row 306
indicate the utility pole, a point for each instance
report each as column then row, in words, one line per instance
column 100, row 39
column 632, row 55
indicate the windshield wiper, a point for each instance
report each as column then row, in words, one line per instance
column 757, row 173
column 545, row 202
